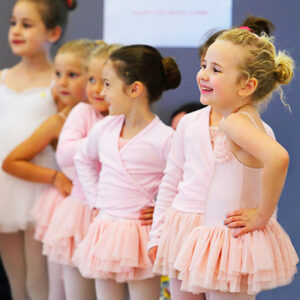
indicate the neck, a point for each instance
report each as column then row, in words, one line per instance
column 40, row 62
column 235, row 108
column 138, row 116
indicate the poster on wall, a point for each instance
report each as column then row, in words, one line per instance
column 164, row 23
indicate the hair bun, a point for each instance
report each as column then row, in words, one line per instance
column 172, row 73
column 284, row 69
column 71, row 4
column 259, row 25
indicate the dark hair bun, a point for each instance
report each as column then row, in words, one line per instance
column 259, row 25
column 71, row 4
column 172, row 73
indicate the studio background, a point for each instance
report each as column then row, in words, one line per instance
column 86, row 21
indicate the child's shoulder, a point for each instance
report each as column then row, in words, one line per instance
column 195, row 116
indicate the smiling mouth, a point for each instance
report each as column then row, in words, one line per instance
column 206, row 89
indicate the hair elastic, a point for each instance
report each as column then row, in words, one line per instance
column 245, row 27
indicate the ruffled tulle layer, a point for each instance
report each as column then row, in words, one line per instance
column 177, row 227
column 213, row 259
column 44, row 209
column 115, row 249
column 18, row 197
column 67, row 229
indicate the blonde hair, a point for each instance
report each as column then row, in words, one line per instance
column 81, row 47
column 270, row 69
column 104, row 50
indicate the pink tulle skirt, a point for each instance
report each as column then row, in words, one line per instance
column 67, row 229
column 213, row 259
column 176, row 228
column 115, row 249
column 44, row 209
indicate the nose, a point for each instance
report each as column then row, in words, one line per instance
column 62, row 81
column 16, row 29
column 98, row 87
column 202, row 75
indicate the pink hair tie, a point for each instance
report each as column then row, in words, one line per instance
column 246, row 28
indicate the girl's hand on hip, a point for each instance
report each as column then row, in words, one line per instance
column 245, row 220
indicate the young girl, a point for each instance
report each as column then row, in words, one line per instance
column 25, row 102
column 71, row 78
column 182, row 194
column 132, row 145
column 72, row 219
column 240, row 250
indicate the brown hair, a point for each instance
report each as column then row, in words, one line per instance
column 145, row 64
column 54, row 12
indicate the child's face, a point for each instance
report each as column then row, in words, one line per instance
column 95, row 84
column 218, row 78
column 71, row 77
column 114, row 91
column 27, row 34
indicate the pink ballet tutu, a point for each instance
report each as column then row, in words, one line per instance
column 213, row 259
column 176, row 228
column 115, row 249
column 67, row 229
column 44, row 209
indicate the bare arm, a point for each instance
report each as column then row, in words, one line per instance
column 18, row 164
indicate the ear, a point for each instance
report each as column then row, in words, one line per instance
column 248, row 87
column 54, row 34
column 136, row 89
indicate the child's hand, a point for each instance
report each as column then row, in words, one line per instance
column 63, row 184
column 246, row 220
column 147, row 216
column 95, row 212
column 152, row 254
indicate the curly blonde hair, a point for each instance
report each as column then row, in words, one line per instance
column 270, row 69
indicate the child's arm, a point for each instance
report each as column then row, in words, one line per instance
column 87, row 163
column 168, row 188
column 274, row 159
column 72, row 135
column 18, row 164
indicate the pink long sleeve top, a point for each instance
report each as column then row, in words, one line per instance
column 130, row 175
column 189, row 170
column 75, row 130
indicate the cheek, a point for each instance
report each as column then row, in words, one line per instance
column 198, row 77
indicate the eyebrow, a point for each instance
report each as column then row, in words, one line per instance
column 22, row 19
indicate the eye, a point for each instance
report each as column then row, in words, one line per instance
column 57, row 74
column 203, row 66
column 12, row 23
column 92, row 80
column 73, row 74
column 216, row 70
column 106, row 84
column 27, row 25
